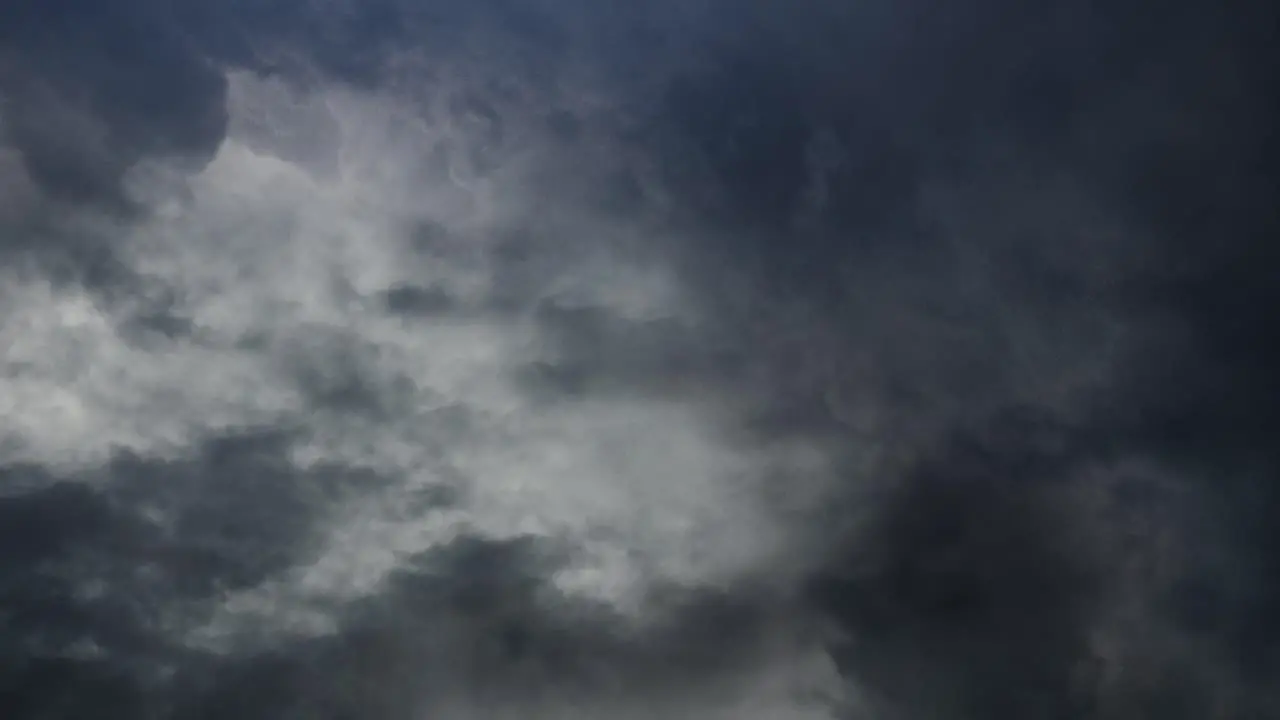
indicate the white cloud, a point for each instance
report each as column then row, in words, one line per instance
column 279, row 261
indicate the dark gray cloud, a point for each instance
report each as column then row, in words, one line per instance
column 94, row 579
column 541, row 359
column 91, row 88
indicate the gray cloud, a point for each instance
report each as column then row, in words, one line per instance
column 541, row 359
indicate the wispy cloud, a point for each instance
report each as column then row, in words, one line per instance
column 548, row 360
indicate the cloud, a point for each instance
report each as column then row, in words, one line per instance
column 536, row 359
column 252, row 299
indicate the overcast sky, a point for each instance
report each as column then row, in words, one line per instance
column 554, row 359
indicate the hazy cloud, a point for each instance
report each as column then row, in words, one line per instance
column 541, row 359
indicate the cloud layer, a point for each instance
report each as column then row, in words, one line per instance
column 400, row 360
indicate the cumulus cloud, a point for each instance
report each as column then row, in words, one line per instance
column 545, row 360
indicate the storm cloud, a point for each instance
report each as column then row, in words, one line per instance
column 718, row 360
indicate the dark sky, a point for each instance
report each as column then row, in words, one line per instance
column 754, row 360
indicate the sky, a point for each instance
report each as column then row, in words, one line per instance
column 552, row 359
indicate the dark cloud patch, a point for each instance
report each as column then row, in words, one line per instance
column 939, row 316
column 416, row 301
column 594, row 352
column 96, row 560
column 476, row 624
column 349, row 42
column 93, row 88
column 97, row 568
column 472, row 624
column 1024, row 257
column 967, row 598
column 1034, row 570
column 236, row 514
column 72, row 688
column 748, row 121
column 340, row 374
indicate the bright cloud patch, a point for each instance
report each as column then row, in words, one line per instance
column 337, row 272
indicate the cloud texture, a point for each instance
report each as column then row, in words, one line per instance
column 550, row 359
